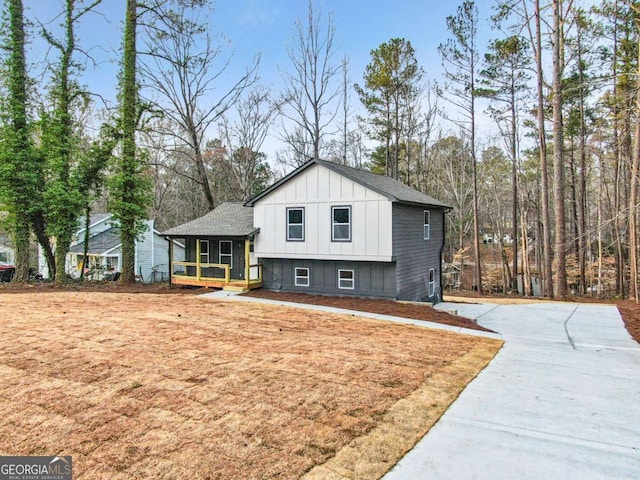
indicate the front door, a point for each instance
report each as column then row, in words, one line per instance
column 231, row 252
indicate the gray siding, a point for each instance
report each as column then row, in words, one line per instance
column 414, row 255
column 237, row 270
column 372, row 279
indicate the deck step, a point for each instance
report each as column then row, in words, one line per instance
column 236, row 288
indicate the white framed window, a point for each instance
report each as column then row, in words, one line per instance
column 225, row 252
column 427, row 224
column 111, row 263
column 432, row 282
column 301, row 277
column 295, row 224
column 341, row 224
column 346, row 279
column 204, row 251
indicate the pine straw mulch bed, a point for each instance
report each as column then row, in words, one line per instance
column 630, row 312
column 150, row 386
column 371, row 305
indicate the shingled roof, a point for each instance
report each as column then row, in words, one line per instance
column 227, row 220
column 394, row 190
column 100, row 243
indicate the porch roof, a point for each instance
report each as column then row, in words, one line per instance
column 100, row 243
column 227, row 220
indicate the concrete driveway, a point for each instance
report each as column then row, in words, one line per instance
column 561, row 400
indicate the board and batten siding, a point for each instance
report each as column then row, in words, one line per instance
column 317, row 189
column 371, row 279
column 415, row 255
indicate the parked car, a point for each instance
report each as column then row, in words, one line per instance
column 6, row 272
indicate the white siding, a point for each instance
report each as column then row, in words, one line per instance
column 144, row 253
column 152, row 255
column 317, row 189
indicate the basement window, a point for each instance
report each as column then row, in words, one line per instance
column 301, row 277
column 432, row 282
column 346, row 279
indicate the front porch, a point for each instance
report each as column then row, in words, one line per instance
column 180, row 276
column 216, row 275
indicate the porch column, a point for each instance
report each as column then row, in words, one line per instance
column 170, row 260
column 247, row 260
column 198, row 259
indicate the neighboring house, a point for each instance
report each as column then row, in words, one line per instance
column 104, row 253
column 327, row 228
column 6, row 250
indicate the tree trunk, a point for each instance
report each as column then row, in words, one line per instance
column 21, row 248
column 85, row 243
column 633, row 193
column 558, row 152
column 514, row 193
column 544, row 197
column 582, row 204
column 202, row 172
column 129, row 121
column 20, row 144
column 39, row 229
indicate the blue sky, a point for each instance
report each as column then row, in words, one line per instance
column 266, row 26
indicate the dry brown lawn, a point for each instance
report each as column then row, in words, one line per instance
column 139, row 386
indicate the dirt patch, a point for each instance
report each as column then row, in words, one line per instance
column 105, row 287
column 151, row 386
column 384, row 307
column 630, row 312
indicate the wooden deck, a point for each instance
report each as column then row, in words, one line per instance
column 236, row 285
column 225, row 282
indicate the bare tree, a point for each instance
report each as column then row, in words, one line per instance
column 182, row 66
column 244, row 136
column 462, row 55
column 311, row 89
column 505, row 76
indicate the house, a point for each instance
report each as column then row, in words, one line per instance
column 104, row 252
column 324, row 228
column 6, row 250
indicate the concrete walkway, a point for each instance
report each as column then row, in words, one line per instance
column 561, row 400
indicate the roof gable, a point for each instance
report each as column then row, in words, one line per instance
column 394, row 190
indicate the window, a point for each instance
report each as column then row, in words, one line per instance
column 427, row 224
column 295, row 224
column 302, row 277
column 432, row 282
column 226, row 252
column 346, row 279
column 204, row 251
column 111, row 263
column 341, row 224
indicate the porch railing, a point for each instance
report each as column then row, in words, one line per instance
column 254, row 274
column 198, row 271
